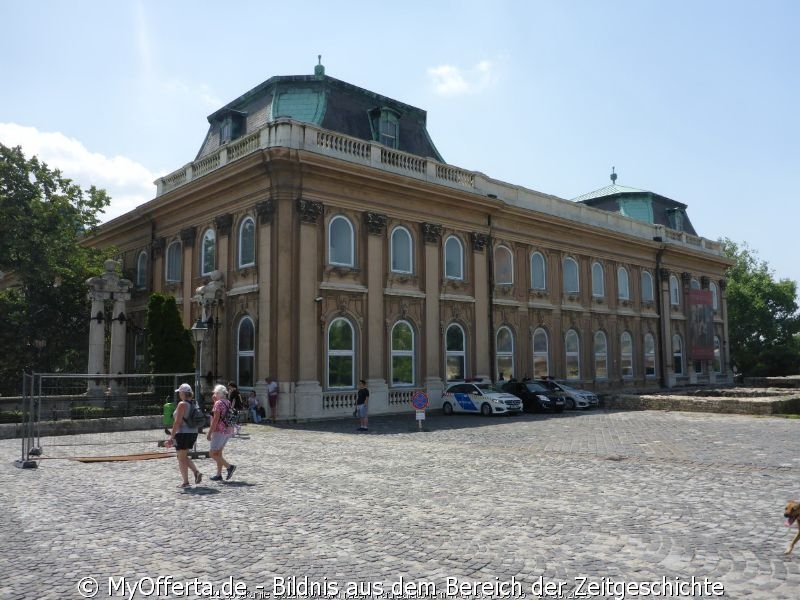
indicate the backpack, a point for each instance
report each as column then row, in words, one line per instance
column 230, row 417
column 195, row 417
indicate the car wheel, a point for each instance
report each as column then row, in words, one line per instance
column 447, row 408
column 570, row 404
column 486, row 410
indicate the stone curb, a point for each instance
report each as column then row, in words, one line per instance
column 760, row 406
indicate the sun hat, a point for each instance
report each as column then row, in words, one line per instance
column 185, row 388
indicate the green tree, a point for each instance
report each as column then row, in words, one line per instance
column 43, row 294
column 170, row 343
column 763, row 319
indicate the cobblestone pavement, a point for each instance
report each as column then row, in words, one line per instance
column 620, row 498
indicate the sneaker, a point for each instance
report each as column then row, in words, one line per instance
column 198, row 477
column 216, row 478
column 231, row 469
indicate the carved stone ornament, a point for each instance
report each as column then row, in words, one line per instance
column 704, row 282
column 664, row 274
column 188, row 236
column 723, row 283
column 157, row 246
column 479, row 241
column 686, row 277
column 375, row 222
column 309, row 210
column 223, row 224
column 431, row 233
column 265, row 211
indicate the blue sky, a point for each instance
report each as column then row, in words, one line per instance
column 695, row 100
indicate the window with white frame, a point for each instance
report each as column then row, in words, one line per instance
column 453, row 258
column 401, row 251
column 714, row 297
column 173, row 270
column 541, row 353
column 694, row 284
column 623, row 289
column 504, row 350
column 141, row 270
column 674, row 291
column 341, row 359
column 626, row 355
column 677, row 355
column 455, row 353
column 246, row 353
column 402, row 354
column 571, row 279
column 341, row 242
column 717, row 365
column 538, row 272
column 649, row 355
column 647, row 287
column 572, row 349
column 503, row 266
column 247, row 243
column 389, row 128
column 600, row 355
column 598, row 283
column 208, row 252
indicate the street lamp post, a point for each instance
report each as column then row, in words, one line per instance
column 199, row 330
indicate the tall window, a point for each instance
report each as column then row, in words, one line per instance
column 341, row 245
column 402, row 354
column 677, row 355
column 571, row 280
column 402, row 260
column 623, row 289
column 173, row 271
column 503, row 266
column 504, row 350
column 141, row 271
column 649, row 355
column 717, row 366
column 626, row 355
column 598, row 285
column 714, row 297
column 600, row 355
column 573, row 354
column 247, row 243
column 541, row 353
column 246, row 353
column 389, row 129
column 453, row 258
column 208, row 252
column 455, row 352
column 538, row 277
column 341, row 355
column 647, row 287
column 674, row 291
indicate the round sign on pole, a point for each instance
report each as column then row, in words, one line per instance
column 419, row 400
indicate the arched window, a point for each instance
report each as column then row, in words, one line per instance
column 141, row 271
column 538, row 273
column 571, row 280
column 573, row 354
column 541, row 353
column 717, row 356
column 455, row 352
column 402, row 354
column 173, row 270
column 674, row 291
column 600, row 355
column 647, row 287
column 503, row 266
column 341, row 355
column 649, row 355
column 695, row 285
column 626, row 355
column 341, row 245
column 598, row 284
column 453, row 258
column 401, row 248
column 504, row 351
column 623, row 289
column 246, row 353
column 714, row 297
column 677, row 355
column 208, row 252
column 247, row 243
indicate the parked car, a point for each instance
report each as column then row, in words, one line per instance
column 535, row 396
column 574, row 398
column 478, row 397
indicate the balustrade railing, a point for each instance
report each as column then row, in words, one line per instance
column 338, row 400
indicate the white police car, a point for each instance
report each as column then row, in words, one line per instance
column 478, row 397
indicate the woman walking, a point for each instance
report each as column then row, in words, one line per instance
column 183, row 436
column 219, row 433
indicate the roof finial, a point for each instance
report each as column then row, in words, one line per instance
column 319, row 70
column 613, row 177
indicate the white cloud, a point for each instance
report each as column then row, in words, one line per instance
column 127, row 182
column 449, row 80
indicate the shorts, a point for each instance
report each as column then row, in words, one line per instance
column 218, row 441
column 185, row 441
column 273, row 401
column 362, row 410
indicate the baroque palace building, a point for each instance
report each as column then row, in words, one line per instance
column 323, row 239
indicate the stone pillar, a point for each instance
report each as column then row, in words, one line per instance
column 665, row 351
column 483, row 358
column 188, row 236
column 97, row 332
column 432, row 235
column 208, row 297
column 265, row 211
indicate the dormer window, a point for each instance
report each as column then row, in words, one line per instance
column 675, row 218
column 388, row 127
column 231, row 126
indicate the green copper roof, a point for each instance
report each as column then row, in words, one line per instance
column 609, row 190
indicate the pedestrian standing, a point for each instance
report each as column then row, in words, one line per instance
column 255, row 417
column 219, row 433
column 183, row 437
column 272, row 398
column 362, row 402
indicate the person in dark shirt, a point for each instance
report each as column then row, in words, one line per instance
column 362, row 400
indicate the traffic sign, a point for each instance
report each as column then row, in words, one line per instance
column 419, row 400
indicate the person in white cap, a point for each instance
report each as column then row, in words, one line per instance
column 183, row 437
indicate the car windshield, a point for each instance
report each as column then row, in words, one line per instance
column 535, row 387
column 567, row 388
column 484, row 387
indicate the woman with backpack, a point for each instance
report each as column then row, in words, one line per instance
column 183, row 436
column 223, row 418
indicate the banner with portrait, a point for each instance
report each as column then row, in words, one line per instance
column 701, row 325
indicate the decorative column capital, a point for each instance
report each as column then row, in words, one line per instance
column 265, row 211
column 431, row 233
column 479, row 241
column 188, row 236
column 723, row 283
column 375, row 222
column 309, row 210
column 704, row 282
column 157, row 247
column 663, row 272
column 223, row 224
column 686, row 277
